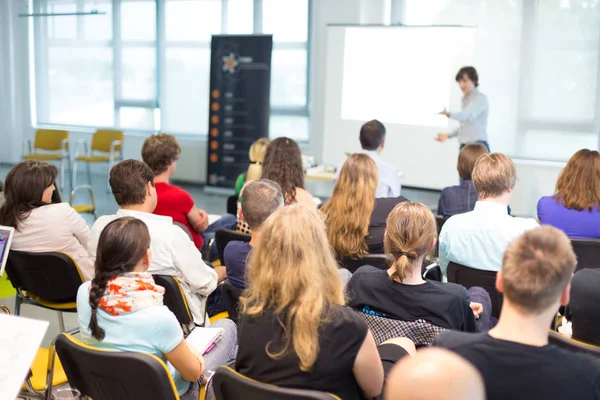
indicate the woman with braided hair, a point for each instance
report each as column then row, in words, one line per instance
column 401, row 292
column 122, row 309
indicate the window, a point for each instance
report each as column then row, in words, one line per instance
column 145, row 64
column 538, row 65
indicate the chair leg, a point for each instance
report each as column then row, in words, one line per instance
column 74, row 175
column 62, row 174
column 17, row 304
column 89, row 173
column 61, row 322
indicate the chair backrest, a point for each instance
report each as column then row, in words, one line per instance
column 49, row 139
column 104, row 137
column 52, row 276
column 174, row 298
column 224, row 236
column 421, row 332
column 232, row 204
column 114, row 375
column 231, row 385
column 469, row 277
column 559, row 340
column 440, row 220
column 380, row 261
column 231, row 297
column 587, row 252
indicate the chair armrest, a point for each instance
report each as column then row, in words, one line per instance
column 78, row 144
column 64, row 145
column 27, row 147
column 113, row 148
column 82, row 187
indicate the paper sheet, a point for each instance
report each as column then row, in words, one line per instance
column 202, row 338
column 20, row 339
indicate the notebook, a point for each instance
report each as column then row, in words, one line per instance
column 204, row 339
column 6, row 235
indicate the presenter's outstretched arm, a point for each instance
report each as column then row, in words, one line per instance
column 443, row 136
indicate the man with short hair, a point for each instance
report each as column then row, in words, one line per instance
column 514, row 358
column 372, row 141
column 478, row 238
column 173, row 253
column 434, row 374
column 161, row 153
column 260, row 199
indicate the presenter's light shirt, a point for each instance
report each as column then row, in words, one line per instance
column 479, row 238
column 389, row 181
column 473, row 118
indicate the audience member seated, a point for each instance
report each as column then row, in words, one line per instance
column 122, row 309
column 372, row 141
column 514, row 358
column 401, row 292
column 461, row 199
column 39, row 225
column 434, row 374
column 257, row 158
column 584, row 308
column 283, row 165
column 575, row 206
column 174, row 254
column 478, row 238
column 161, row 153
column 294, row 329
column 261, row 199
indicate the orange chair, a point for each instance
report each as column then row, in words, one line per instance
column 106, row 147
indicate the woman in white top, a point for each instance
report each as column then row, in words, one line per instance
column 39, row 225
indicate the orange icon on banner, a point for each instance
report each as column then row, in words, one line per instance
column 214, row 132
column 214, row 144
column 214, row 119
column 214, row 106
column 215, row 94
column 214, row 158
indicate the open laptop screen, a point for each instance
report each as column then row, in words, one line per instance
column 6, row 235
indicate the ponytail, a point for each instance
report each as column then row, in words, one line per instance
column 96, row 292
column 403, row 264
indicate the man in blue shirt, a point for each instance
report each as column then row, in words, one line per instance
column 474, row 114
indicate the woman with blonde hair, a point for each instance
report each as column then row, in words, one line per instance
column 294, row 329
column 401, row 292
column 352, row 213
column 575, row 206
column 257, row 157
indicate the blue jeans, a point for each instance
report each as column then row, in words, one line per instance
column 223, row 353
column 483, row 142
column 227, row 221
column 480, row 295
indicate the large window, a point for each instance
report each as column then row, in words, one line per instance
column 144, row 64
column 538, row 65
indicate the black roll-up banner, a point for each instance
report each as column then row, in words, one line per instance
column 240, row 87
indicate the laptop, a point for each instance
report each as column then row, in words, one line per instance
column 6, row 236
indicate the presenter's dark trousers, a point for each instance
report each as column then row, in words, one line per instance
column 483, row 142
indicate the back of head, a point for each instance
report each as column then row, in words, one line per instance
column 123, row 243
column 24, row 189
column 353, row 194
column 434, row 374
column 536, row 268
column 283, row 164
column 493, row 175
column 293, row 273
column 410, row 233
column 578, row 186
column 160, row 151
column 257, row 158
column 372, row 134
column 260, row 199
column 129, row 180
column 467, row 158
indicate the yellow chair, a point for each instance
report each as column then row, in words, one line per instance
column 84, row 208
column 106, row 147
column 54, row 145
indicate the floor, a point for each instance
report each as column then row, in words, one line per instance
column 211, row 202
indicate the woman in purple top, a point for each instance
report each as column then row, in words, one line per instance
column 574, row 207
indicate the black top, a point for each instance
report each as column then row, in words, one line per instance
column 381, row 210
column 516, row 371
column 339, row 342
column 584, row 308
column 443, row 304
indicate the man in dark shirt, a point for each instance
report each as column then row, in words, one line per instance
column 260, row 199
column 514, row 358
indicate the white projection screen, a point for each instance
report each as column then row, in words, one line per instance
column 402, row 76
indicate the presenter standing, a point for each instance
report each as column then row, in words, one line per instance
column 474, row 114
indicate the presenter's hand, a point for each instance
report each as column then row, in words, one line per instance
column 444, row 112
column 441, row 137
